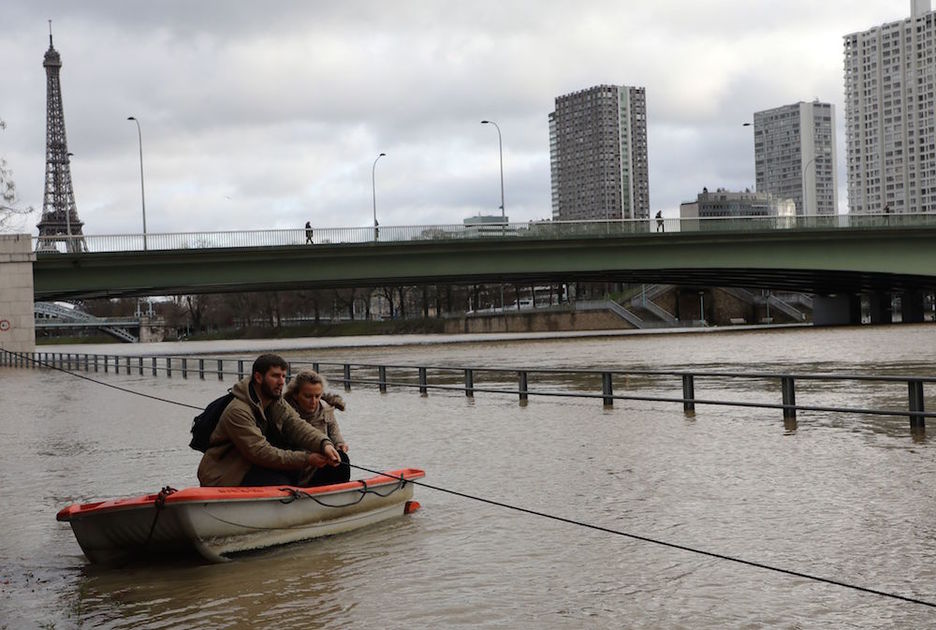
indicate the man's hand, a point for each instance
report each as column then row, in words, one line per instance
column 328, row 457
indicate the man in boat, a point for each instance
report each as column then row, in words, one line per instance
column 261, row 441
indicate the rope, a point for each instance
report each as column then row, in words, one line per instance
column 664, row 543
column 607, row 530
column 159, row 504
column 97, row 382
column 295, row 493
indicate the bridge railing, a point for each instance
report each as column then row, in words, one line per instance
column 92, row 243
column 823, row 393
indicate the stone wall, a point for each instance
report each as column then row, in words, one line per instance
column 536, row 321
column 17, row 320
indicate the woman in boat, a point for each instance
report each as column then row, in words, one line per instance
column 306, row 394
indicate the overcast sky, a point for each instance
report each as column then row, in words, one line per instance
column 269, row 114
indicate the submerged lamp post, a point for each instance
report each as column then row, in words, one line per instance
column 142, row 191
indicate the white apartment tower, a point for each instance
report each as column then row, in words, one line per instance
column 598, row 154
column 795, row 157
column 890, row 77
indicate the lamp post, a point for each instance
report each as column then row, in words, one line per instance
column 374, row 187
column 500, row 152
column 500, row 149
column 750, row 124
column 142, row 190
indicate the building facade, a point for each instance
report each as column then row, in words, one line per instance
column 795, row 157
column 598, row 154
column 890, row 78
column 728, row 203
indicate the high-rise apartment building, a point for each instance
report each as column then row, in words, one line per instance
column 795, row 157
column 890, row 78
column 598, row 154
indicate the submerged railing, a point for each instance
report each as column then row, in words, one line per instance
column 611, row 228
column 680, row 386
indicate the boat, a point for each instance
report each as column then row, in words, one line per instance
column 215, row 523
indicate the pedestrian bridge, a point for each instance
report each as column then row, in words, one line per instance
column 822, row 255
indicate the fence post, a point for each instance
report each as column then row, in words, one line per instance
column 86, row 363
column 789, row 397
column 688, row 393
column 128, row 365
column 169, row 367
column 607, row 389
column 382, row 378
column 469, row 383
column 915, row 391
column 220, row 369
column 315, row 367
column 106, row 361
column 95, row 363
column 240, row 369
column 201, row 369
column 140, row 365
column 184, row 367
column 347, row 377
column 522, row 382
column 422, row 382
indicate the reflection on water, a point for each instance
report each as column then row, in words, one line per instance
column 837, row 495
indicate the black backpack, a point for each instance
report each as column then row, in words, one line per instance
column 205, row 422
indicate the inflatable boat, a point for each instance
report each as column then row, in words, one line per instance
column 217, row 522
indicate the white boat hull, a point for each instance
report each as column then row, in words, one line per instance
column 218, row 522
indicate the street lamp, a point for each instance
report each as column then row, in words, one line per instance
column 142, row 192
column 750, row 124
column 500, row 151
column 374, row 187
column 500, row 147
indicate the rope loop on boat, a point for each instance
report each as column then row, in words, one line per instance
column 159, row 503
column 296, row 493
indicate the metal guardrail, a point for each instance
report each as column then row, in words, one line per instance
column 571, row 383
column 93, row 243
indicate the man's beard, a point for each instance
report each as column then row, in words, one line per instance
column 268, row 391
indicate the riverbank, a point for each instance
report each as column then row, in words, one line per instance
column 364, row 341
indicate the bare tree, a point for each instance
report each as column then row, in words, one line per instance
column 12, row 216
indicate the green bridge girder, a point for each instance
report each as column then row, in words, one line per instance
column 823, row 261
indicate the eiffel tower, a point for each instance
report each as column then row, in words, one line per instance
column 59, row 222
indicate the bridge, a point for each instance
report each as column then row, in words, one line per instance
column 821, row 255
column 837, row 258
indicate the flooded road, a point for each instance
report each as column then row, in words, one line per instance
column 841, row 496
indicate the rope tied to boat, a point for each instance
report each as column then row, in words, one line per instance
column 297, row 493
column 159, row 503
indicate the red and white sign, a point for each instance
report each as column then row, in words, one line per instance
column 5, row 325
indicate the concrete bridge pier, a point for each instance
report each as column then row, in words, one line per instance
column 836, row 310
column 17, row 320
column 911, row 307
column 879, row 307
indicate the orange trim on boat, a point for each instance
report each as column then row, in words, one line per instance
column 199, row 494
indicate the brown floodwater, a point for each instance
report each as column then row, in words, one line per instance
column 842, row 496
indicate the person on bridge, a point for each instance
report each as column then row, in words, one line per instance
column 261, row 441
column 308, row 229
column 661, row 227
column 306, row 394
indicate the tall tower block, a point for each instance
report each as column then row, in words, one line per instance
column 59, row 222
